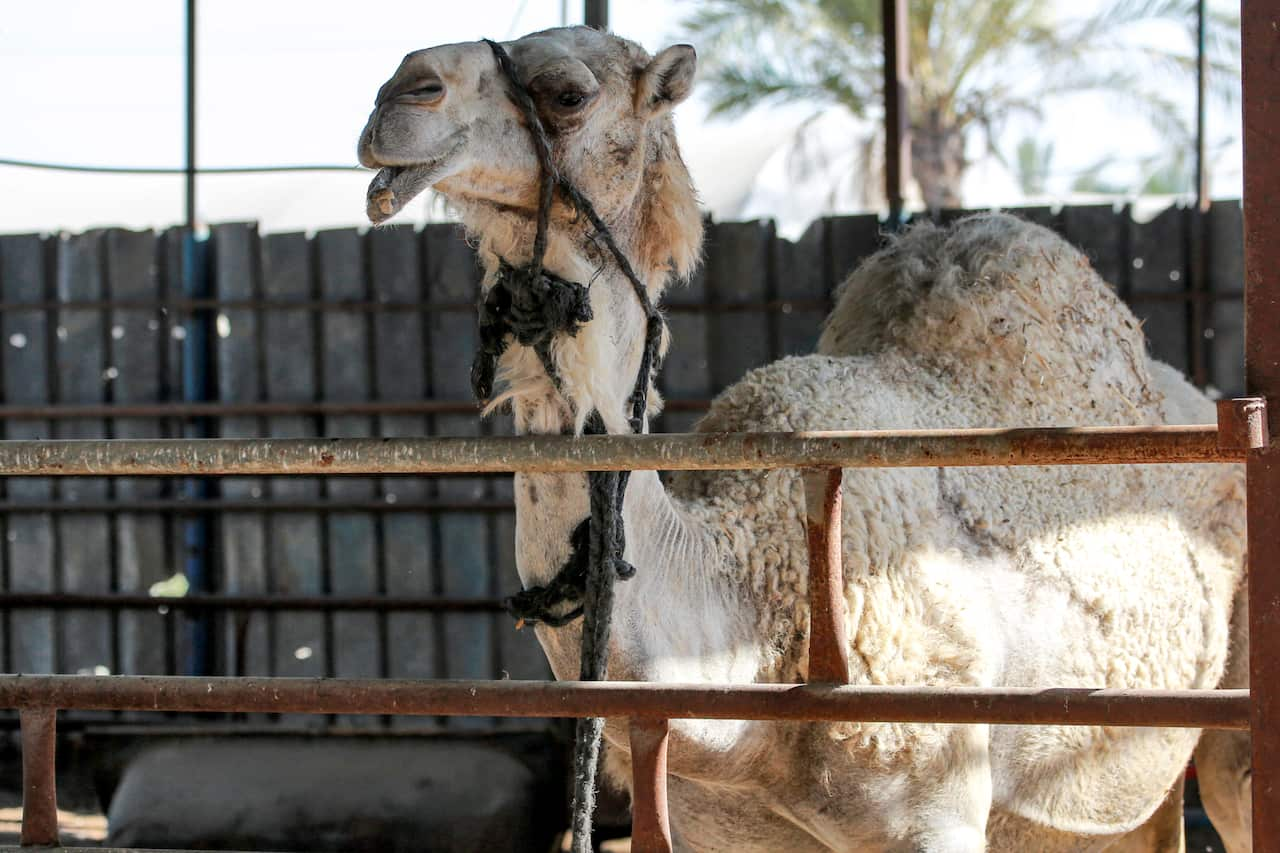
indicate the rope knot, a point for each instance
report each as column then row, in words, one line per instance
column 531, row 307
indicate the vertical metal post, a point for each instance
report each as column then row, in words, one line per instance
column 828, row 637
column 650, row 828
column 1260, row 47
column 1198, row 260
column 39, row 785
column 190, row 164
column 196, row 367
column 1202, row 71
column 595, row 14
column 897, row 124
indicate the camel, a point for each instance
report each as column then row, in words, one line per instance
column 1090, row 576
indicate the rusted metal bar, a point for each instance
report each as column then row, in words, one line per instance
column 1260, row 48
column 127, row 601
column 1242, row 424
column 1202, row 76
column 273, row 408
column 273, row 505
column 108, row 850
column 663, row 452
column 39, row 788
column 187, row 306
column 828, row 636
column 897, row 106
column 1217, row 709
column 650, row 826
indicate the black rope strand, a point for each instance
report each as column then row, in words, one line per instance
column 533, row 307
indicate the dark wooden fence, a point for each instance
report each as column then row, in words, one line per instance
column 139, row 334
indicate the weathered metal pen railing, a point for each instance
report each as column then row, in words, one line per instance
column 648, row 707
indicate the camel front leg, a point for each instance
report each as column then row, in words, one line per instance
column 951, row 800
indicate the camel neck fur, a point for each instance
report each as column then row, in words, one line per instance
column 597, row 369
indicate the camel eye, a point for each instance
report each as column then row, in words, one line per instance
column 571, row 99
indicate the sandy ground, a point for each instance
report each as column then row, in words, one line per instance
column 81, row 827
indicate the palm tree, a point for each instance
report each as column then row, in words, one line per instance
column 973, row 65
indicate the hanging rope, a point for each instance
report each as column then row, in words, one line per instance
column 532, row 306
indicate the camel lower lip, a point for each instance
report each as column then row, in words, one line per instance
column 394, row 187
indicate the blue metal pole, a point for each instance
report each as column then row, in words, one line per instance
column 196, row 367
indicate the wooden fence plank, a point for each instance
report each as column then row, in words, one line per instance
column 462, row 537
column 294, row 540
column 85, row 636
column 849, row 240
column 1225, row 244
column 737, row 272
column 1102, row 233
column 801, row 272
column 347, row 367
column 1040, row 215
column 1160, row 251
column 136, row 355
column 241, row 535
column 30, row 548
column 400, row 373
column 686, row 373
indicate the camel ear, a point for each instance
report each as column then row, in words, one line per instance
column 667, row 80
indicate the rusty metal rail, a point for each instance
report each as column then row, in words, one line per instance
column 1223, row 709
column 668, row 452
column 272, row 408
column 202, row 602
column 649, row 707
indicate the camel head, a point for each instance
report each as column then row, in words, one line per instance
column 446, row 120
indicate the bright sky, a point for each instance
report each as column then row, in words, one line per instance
column 292, row 81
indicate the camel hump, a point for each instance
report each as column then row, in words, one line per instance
column 1009, row 311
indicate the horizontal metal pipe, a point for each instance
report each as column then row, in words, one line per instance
column 102, row 850
column 75, row 411
column 131, row 601
column 187, row 306
column 1225, row 709
column 561, row 453
column 61, row 849
column 273, row 505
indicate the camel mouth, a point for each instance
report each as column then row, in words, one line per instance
column 394, row 187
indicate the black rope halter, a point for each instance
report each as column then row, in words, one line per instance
column 532, row 306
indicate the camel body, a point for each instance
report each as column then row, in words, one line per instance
column 1084, row 576
column 1076, row 576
